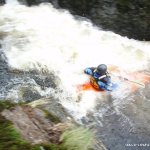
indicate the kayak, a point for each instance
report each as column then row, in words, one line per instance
column 133, row 81
column 88, row 86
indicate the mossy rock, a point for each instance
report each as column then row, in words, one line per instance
column 10, row 138
column 51, row 116
column 6, row 105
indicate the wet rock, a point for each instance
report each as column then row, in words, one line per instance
column 33, row 125
column 5, row 77
column 46, row 81
column 125, row 17
column 36, row 2
column 2, row 2
column 29, row 94
column 22, row 2
column 53, row 106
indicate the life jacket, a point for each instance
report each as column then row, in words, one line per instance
column 94, row 83
column 103, row 78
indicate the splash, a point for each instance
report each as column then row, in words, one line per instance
column 42, row 36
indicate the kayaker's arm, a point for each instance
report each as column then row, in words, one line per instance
column 89, row 71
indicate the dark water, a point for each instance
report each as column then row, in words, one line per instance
column 115, row 121
column 5, row 76
column 124, row 127
column 116, row 125
column 19, row 85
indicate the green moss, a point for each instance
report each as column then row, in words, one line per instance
column 52, row 147
column 10, row 139
column 51, row 116
column 77, row 139
column 6, row 105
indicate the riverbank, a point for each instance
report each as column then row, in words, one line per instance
column 30, row 126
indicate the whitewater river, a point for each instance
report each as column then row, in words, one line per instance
column 46, row 50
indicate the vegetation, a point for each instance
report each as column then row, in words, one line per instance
column 51, row 116
column 6, row 105
column 77, row 139
column 10, row 139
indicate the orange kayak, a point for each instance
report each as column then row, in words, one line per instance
column 133, row 78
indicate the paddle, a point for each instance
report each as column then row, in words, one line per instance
column 142, row 84
column 126, row 79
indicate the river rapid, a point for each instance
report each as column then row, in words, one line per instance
column 44, row 51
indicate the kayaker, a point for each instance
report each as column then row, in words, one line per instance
column 100, row 79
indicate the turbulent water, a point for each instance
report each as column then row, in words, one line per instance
column 46, row 49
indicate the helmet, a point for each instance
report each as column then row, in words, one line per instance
column 102, row 69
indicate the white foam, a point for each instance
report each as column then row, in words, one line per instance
column 42, row 36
